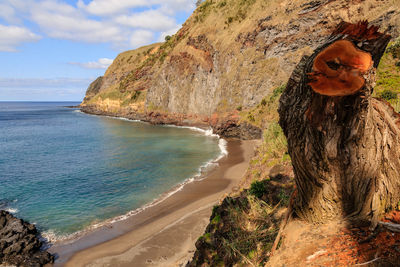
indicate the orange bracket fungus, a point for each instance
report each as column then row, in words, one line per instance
column 338, row 69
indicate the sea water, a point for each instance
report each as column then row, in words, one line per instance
column 66, row 171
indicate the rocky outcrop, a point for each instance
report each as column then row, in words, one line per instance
column 19, row 243
column 231, row 128
column 93, row 89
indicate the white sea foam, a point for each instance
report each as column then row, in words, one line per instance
column 12, row 210
column 50, row 236
column 207, row 132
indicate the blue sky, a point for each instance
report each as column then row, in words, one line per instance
column 51, row 50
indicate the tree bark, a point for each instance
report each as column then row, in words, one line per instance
column 345, row 149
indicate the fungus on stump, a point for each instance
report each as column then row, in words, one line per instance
column 344, row 144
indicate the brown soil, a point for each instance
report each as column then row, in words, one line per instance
column 338, row 244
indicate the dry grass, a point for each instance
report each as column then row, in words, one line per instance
column 129, row 60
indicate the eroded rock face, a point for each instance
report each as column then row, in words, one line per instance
column 19, row 243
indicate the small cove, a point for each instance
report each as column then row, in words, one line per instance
column 67, row 171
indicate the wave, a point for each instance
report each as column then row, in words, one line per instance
column 12, row 210
column 5, row 204
column 206, row 132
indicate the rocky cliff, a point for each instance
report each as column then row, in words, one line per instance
column 226, row 57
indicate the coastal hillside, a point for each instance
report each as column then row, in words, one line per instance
column 226, row 58
column 245, row 228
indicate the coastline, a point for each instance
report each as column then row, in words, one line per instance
column 224, row 125
column 147, row 237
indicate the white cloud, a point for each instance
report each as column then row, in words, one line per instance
column 102, row 63
column 124, row 24
column 141, row 38
column 110, row 7
column 107, row 7
column 63, row 21
column 12, row 36
column 7, row 13
column 150, row 19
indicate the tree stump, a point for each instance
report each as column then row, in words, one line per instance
column 344, row 144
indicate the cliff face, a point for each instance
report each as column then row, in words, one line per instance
column 226, row 57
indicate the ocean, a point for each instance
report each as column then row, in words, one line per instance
column 67, row 171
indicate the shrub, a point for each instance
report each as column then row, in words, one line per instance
column 222, row 4
column 263, row 102
column 394, row 49
column 251, row 118
column 278, row 91
column 167, row 38
column 283, row 197
column 257, row 189
column 388, row 94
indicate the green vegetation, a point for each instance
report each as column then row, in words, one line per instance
column 113, row 95
column 257, row 189
column 243, row 228
column 221, row 4
column 388, row 94
column 233, row 11
column 240, row 13
column 266, row 111
column 273, row 149
column 275, row 141
column 388, row 75
column 203, row 10
column 394, row 49
column 216, row 219
column 284, row 198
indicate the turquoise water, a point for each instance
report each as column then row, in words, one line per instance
column 65, row 170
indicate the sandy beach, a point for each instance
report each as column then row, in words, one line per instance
column 165, row 234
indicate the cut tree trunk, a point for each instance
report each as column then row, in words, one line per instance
column 344, row 144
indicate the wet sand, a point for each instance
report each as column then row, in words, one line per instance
column 165, row 234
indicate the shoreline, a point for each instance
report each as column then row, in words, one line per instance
column 227, row 125
column 202, row 173
column 191, row 204
column 203, row 170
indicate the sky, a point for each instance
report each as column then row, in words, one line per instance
column 51, row 50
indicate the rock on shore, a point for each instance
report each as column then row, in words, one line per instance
column 19, row 243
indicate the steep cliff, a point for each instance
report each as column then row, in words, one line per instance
column 226, row 57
